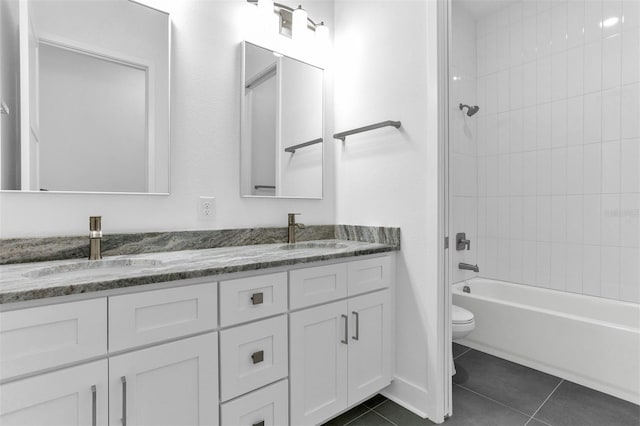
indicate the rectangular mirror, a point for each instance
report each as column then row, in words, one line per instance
column 282, row 126
column 94, row 97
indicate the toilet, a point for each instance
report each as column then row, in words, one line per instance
column 462, row 323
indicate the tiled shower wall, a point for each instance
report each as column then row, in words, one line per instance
column 558, row 146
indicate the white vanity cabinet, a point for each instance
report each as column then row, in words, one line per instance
column 170, row 384
column 341, row 352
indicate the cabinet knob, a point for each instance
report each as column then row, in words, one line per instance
column 257, row 357
column 260, row 423
column 257, row 298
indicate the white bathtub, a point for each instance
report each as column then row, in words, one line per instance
column 588, row 340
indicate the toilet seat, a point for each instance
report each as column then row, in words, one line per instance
column 460, row 316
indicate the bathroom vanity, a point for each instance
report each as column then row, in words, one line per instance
column 280, row 336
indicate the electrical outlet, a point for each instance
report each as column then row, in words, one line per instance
column 206, row 208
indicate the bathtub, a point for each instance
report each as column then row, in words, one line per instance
column 587, row 340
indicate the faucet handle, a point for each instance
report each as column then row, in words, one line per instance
column 95, row 223
column 292, row 218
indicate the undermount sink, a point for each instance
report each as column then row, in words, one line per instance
column 93, row 266
column 313, row 245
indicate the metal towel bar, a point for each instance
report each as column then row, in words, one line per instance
column 293, row 148
column 343, row 135
column 264, row 187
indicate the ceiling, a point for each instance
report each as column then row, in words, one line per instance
column 481, row 8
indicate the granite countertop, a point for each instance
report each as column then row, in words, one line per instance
column 39, row 280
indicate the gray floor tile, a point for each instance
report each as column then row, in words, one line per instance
column 376, row 400
column 370, row 419
column 458, row 349
column 534, row 422
column 515, row 385
column 400, row 415
column 575, row 405
column 348, row 416
column 470, row 409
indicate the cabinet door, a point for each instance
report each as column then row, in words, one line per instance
column 268, row 406
column 369, row 345
column 171, row 384
column 318, row 363
column 64, row 397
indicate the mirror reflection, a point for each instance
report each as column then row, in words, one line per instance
column 282, row 126
column 94, row 97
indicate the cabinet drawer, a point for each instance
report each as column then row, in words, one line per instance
column 153, row 316
column 37, row 338
column 369, row 274
column 252, row 298
column 268, row 406
column 253, row 355
column 312, row 286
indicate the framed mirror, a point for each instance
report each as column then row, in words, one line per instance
column 282, row 125
column 94, row 98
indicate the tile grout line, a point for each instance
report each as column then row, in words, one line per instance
column 356, row 418
column 494, row 400
column 544, row 402
column 456, row 357
column 384, row 417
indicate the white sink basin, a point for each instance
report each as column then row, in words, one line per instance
column 92, row 267
column 319, row 245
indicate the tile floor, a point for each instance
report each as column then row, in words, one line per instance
column 489, row 391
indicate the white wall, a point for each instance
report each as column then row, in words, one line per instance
column 9, row 85
column 559, row 146
column 205, row 145
column 386, row 69
column 463, row 141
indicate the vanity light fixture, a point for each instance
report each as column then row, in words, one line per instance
column 294, row 23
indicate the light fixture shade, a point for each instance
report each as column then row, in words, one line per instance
column 299, row 24
column 322, row 33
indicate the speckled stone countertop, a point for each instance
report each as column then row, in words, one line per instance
column 39, row 280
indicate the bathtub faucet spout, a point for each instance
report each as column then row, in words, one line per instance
column 468, row 267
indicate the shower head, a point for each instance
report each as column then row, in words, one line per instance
column 471, row 110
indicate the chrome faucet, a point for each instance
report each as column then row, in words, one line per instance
column 291, row 239
column 468, row 267
column 95, row 237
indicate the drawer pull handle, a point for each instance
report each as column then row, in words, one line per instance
column 260, row 423
column 257, row 357
column 257, row 298
column 346, row 330
column 123, row 379
column 357, row 315
column 94, row 402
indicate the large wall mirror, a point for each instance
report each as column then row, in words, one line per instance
column 282, row 126
column 93, row 110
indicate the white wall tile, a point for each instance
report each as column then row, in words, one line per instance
column 543, row 218
column 559, row 22
column 515, row 174
column 492, row 217
column 574, row 268
column 529, row 38
column 592, row 173
column 503, row 133
column 515, row 13
column 530, row 82
column 516, row 88
column 559, row 219
column 575, row 227
column 491, row 96
column 545, row 5
column 529, row 218
column 592, row 20
column 611, row 59
column 503, row 260
column 559, row 122
column 575, row 71
column 529, row 129
column 610, row 220
column 631, row 56
column 543, row 89
column 515, row 45
column 529, row 8
column 575, row 162
column 543, row 264
column 492, row 134
column 559, row 171
column 591, row 269
column 491, row 51
column 482, row 217
column 529, row 261
column 544, row 33
column 611, row 167
column 515, row 218
column 630, row 165
column 630, row 220
column 631, row 14
column 611, row 114
column 492, row 176
column 591, row 219
column 503, row 175
column 611, row 17
column 593, row 66
column 610, row 272
column 543, row 126
column 630, row 274
column 559, row 76
column 543, row 172
column 529, row 167
column 575, row 23
column 503, row 53
column 491, row 258
column 593, row 118
column 503, row 90
column 575, row 121
column 630, row 111
column 515, row 261
column 515, row 131
column 558, row 272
